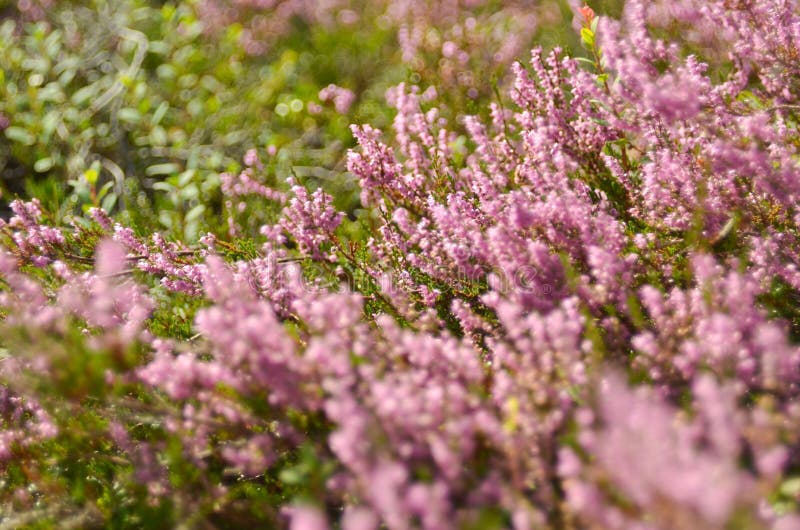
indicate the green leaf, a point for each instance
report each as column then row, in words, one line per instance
column 163, row 186
column 158, row 47
column 50, row 122
column 587, row 37
column 791, row 487
column 106, row 187
column 82, row 95
column 166, row 71
column 51, row 93
column 291, row 476
column 67, row 76
column 129, row 115
column 158, row 136
column 43, row 164
column 91, row 175
column 186, row 177
column 159, row 113
column 20, row 135
column 195, row 213
column 162, row 169
column 109, row 201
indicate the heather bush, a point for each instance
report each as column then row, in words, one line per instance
column 576, row 307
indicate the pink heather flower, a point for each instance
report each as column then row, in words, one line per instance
column 342, row 98
column 653, row 458
column 102, row 218
column 251, row 159
column 311, row 220
column 307, row 518
column 119, row 309
column 359, row 519
column 245, row 184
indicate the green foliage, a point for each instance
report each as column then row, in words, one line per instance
column 104, row 93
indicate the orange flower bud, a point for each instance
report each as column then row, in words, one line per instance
column 588, row 13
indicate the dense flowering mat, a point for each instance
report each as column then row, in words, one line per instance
column 577, row 307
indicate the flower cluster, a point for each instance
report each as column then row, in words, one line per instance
column 578, row 311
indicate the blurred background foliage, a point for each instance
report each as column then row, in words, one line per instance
column 139, row 105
